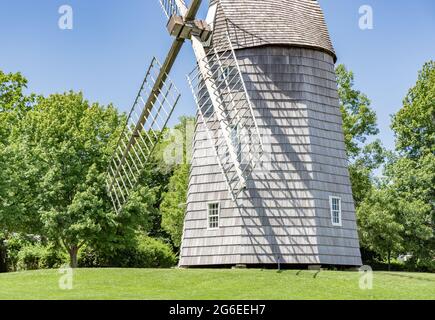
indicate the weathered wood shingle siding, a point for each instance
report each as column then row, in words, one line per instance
column 284, row 214
column 266, row 22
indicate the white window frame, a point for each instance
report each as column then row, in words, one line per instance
column 218, row 215
column 332, row 211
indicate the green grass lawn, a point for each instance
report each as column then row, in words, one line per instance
column 214, row 285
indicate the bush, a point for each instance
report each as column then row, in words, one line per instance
column 29, row 257
column 53, row 258
column 426, row 265
column 153, row 253
column 146, row 253
column 90, row 258
column 14, row 245
column 32, row 257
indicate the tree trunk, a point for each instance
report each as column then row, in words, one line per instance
column 3, row 257
column 389, row 260
column 73, row 251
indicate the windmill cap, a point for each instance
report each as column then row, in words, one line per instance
column 253, row 23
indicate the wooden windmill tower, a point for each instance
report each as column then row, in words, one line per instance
column 269, row 181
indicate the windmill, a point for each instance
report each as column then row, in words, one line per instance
column 264, row 71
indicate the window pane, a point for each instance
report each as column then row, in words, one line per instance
column 335, row 204
column 336, row 216
column 335, row 210
column 213, row 215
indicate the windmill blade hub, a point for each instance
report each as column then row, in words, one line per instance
column 181, row 29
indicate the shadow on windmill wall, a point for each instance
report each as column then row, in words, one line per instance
column 291, row 208
column 280, row 226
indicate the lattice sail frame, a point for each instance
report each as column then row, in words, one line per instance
column 172, row 7
column 143, row 130
column 226, row 111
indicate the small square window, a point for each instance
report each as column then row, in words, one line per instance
column 213, row 215
column 335, row 206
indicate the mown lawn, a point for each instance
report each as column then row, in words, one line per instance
column 149, row 284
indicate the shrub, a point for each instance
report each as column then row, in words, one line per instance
column 154, row 253
column 52, row 258
column 32, row 257
column 90, row 258
column 426, row 265
column 145, row 253
column 13, row 248
column 14, row 245
column 29, row 257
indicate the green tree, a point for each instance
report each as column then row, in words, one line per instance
column 65, row 145
column 173, row 206
column 359, row 123
column 13, row 102
column 414, row 124
column 412, row 171
column 379, row 228
column 413, row 181
column 13, row 106
column 359, row 120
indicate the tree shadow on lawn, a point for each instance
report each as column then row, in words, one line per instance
column 408, row 276
column 314, row 275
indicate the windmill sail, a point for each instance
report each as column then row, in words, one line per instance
column 146, row 122
column 149, row 116
column 226, row 112
column 173, row 7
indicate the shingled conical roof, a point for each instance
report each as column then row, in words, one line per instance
column 254, row 23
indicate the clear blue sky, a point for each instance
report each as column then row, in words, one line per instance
column 113, row 41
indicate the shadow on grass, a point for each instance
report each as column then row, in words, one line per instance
column 412, row 277
column 314, row 275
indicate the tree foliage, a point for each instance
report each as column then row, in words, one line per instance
column 414, row 124
column 379, row 227
column 359, row 120
column 408, row 193
column 359, row 123
column 173, row 206
column 14, row 105
column 412, row 172
column 64, row 145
